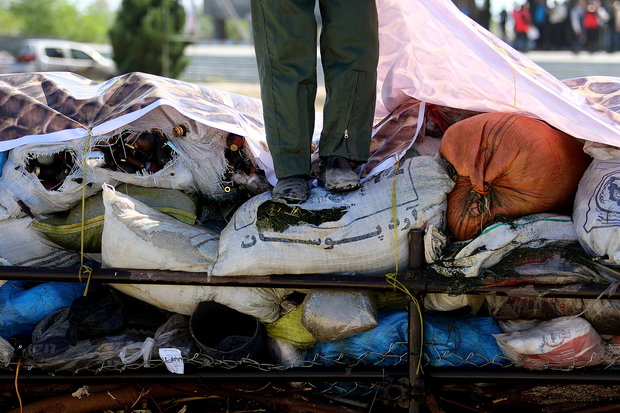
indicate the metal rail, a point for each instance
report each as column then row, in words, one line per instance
column 415, row 281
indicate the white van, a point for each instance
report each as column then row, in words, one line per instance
column 43, row 55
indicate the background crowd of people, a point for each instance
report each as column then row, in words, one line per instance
column 591, row 25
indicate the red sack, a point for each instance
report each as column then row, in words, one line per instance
column 508, row 165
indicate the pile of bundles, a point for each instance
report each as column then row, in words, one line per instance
column 502, row 196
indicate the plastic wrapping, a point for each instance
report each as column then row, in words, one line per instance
column 52, row 352
column 21, row 309
column 97, row 314
column 6, row 351
column 331, row 315
column 285, row 353
column 561, row 343
column 604, row 315
column 3, row 155
column 384, row 345
column 532, row 307
column 461, row 341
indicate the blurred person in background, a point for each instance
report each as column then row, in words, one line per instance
column 595, row 17
column 522, row 21
column 609, row 33
column 539, row 18
column 503, row 19
column 285, row 41
column 616, row 8
column 558, row 24
column 577, row 12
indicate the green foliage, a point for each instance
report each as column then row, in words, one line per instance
column 137, row 36
column 55, row 18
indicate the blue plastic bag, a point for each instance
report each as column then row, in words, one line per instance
column 3, row 156
column 384, row 345
column 462, row 341
column 21, row 310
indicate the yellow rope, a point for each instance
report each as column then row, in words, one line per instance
column 391, row 277
column 21, row 407
column 514, row 76
column 83, row 267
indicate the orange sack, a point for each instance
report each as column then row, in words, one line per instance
column 508, row 165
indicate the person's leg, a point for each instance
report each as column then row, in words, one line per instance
column 285, row 43
column 349, row 54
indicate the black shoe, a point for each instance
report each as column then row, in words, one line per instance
column 292, row 189
column 336, row 175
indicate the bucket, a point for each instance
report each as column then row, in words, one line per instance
column 226, row 334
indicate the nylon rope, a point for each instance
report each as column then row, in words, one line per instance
column 391, row 277
column 86, row 269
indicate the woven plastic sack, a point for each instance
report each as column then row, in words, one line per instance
column 65, row 228
column 561, row 343
column 461, row 341
column 333, row 233
column 262, row 303
column 508, row 165
column 18, row 184
column 384, row 345
column 21, row 245
column 597, row 210
column 289, row 328
column 138, row 236
column 497, row 241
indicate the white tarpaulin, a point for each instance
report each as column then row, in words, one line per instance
column 429, row 52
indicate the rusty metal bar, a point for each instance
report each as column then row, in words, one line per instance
column 304, row 374
column 413, row 279
column 504, row 374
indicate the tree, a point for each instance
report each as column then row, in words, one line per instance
column 138, row 33
column 55, row 18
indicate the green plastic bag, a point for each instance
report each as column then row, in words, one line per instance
column 65, row 228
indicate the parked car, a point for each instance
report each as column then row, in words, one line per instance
column 44, row 55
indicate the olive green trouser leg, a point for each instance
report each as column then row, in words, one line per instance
column 349, row 54
column 285, row 37
column 285, row 42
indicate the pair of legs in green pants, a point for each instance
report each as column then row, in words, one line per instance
column 285, row 39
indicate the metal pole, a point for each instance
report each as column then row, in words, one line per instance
column 415, row 342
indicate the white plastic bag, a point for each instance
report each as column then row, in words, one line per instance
column 562, row 343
